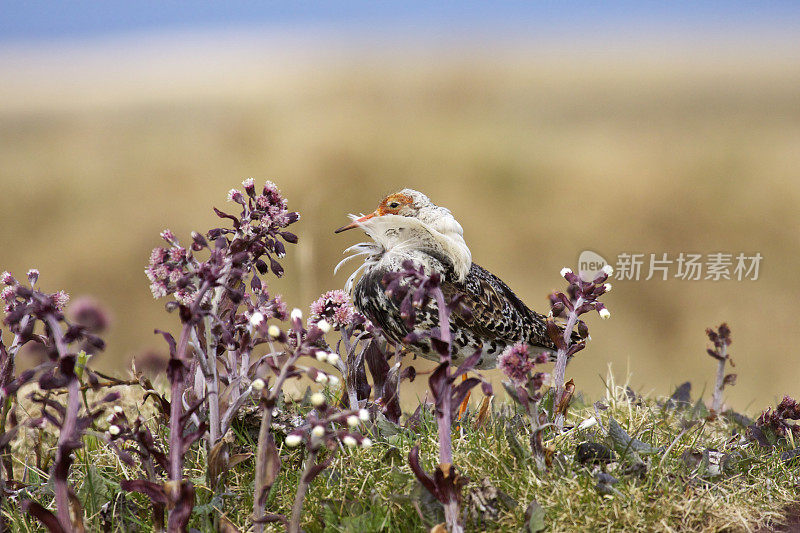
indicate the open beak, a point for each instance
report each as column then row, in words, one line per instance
column 357, row 222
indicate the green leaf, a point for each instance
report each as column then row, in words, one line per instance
column 625, row 444
column 522, row 453
column 534, row 518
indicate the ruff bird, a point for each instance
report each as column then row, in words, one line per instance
column 407, row 225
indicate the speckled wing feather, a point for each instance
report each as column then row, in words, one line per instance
column 497, row 313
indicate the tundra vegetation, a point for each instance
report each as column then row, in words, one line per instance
column 212, row 440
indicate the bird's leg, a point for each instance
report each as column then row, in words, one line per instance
column 463, row 407
column 483, row 411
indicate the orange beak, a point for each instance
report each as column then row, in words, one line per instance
column 356, row 222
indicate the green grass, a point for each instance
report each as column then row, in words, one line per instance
column 374, row 489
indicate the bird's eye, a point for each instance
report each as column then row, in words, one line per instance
column 394, row 205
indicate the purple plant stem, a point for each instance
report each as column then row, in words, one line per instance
column 176, row 411
column 302, row 488
column 352, row 397
column 6, row 468
column 212, row 384
column 67, row 431
column 264, row 438
column 176, row 397
column 443, row 414
column 560, row 368
column 716, row 402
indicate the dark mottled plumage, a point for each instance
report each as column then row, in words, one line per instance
column 499, row 318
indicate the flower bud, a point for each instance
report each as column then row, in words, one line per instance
column 113, row 430
column 297, row 314
column 235, row 196
column 352, row 421
column 317, row 399
column 583, row 329
column 324, row 326
column 333, row 358
column 363, row 414
column 608, row 269
column 349, row 441
column 257, row 319
column 565, row 271
column 258, row 384
column 604, row 313
column 118, row 409
column 274, row 331
column 318, row 431
column 293, row 440
column 366, row 442
column 322, row 377
column 333, row 381
column 607, row 287
column 321, row 355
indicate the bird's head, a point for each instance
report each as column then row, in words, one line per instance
column 408, row 221
column 406, row 203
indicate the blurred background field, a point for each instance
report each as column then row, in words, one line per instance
column 542, row 146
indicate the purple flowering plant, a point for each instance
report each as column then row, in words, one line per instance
column 776, row 426
column 581, row 297
column 524, row 386
column 414, row 289
column 721, row 339
column 37, row 318
column 217, row 365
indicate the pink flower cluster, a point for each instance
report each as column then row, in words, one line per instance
column 270, row 207
column 333, row 306
column 12, row 289
column 269, row 307
column 516, row 363
column 167, row 267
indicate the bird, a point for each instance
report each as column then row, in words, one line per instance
column 408, row 225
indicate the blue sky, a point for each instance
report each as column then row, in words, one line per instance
column 26, row 21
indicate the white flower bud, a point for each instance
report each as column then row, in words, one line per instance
column 608, row 269
column 322, row 377
column 366, row 442
column 607, row 287
column 294, row 440
column 565, row 271
column 363, row 414
column 274, row 331
column 317, row 399
column 318, row 431
column 258, row 384
column 605, row 313
column 256, row 319
column 118, row 409
column 321, row 355
column 349, row 441
column 333, row 381
column 110, row 418
column 352, row 421
column 324, row 326
column 297, row 314
column 113, row 430
column 333, row 358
